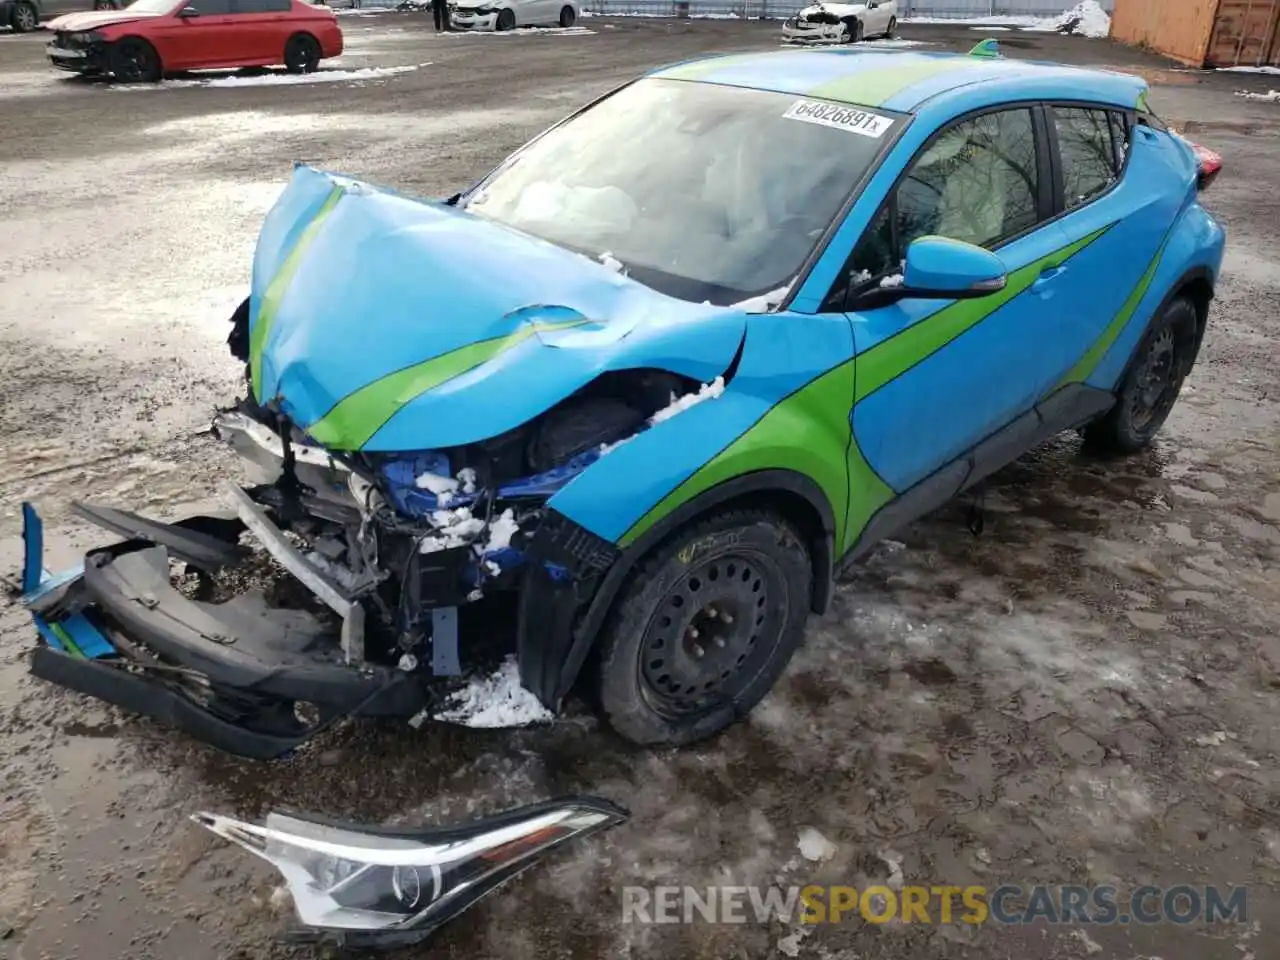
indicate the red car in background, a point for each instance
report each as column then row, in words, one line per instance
column 150, row 38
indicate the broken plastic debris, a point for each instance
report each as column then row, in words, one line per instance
column 497, row 700
column 708, row 391
column 814, row 846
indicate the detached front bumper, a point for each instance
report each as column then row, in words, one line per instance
column 243, row 675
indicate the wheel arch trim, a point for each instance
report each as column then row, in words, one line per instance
column 800, row 491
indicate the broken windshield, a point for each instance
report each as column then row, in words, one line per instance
column 701, row 191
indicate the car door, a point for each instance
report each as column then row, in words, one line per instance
column 262, row 29
column 200, row 38
column 935, row 379
column 876, row 19
column 1109, row 185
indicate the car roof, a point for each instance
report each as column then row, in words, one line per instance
column 903, row 81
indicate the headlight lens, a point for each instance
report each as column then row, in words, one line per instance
column 88, row 37
column 349, row 879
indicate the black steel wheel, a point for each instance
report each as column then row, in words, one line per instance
column 133, row 60
column 704, row 627
column 301, row 53
column 24, row 18
column 567, row 16
column 1152, row 384
column 854, row 32
column 506, row 19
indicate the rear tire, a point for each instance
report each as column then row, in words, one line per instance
column 133, row 60
column 301, row 53
column 1151, row 386
column 568, row 17
column 25, row 18
column 704, row 627
column 506, row 20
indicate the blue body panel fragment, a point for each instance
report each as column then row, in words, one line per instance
column 85, row 638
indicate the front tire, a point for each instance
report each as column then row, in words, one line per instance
column 301, row 53
column 506, row 20
column 704, row 627
column 568, row 17
column 25, row 18
column 1151, row 386
column 133, row 60
column 852, row 32
column 892, row 28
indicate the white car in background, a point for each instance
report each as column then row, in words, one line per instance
column 509, row 14
column 843, row 22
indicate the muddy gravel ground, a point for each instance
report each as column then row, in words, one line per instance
column 1088, row 692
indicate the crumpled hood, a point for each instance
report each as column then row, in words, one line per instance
column 93, row 20
column 386, row 323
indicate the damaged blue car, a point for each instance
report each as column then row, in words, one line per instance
column 656, row 394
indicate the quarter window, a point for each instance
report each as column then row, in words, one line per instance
column 977, row 181
column 1088, row 155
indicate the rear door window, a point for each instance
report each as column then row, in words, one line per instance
column 1087, row 152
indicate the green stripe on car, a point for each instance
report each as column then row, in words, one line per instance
column 807, row 432
column 891, row 358
column 279, row 285
column 874, row 87
column 353, row 420
column 1085, row 366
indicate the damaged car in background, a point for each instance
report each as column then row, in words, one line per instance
column 842, row 22
column 655, row 397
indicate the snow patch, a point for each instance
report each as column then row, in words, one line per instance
column 454, row 528
column 1272, row 96
column 892, row 282
column 500, row 533
column 443, row 487
column 279, row 79
column 524, row 32
column 497, row 700
column 467, row 477
column 764, row 302
column 1270, row 71
column 814, row 846
column 610, row 261
column 1086, row 19
column 708, row 391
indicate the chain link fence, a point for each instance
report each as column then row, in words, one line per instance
column 780, row 9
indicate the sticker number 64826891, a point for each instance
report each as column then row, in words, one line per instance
column 850, row 119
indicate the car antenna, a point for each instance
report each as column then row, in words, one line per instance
column 988, row 49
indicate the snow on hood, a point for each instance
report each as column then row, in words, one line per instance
column 361, row 297
column 92, row 20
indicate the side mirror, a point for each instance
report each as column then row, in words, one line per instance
column 186, row 13
column 943, row 269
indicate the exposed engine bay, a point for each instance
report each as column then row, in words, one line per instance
column 201, row 623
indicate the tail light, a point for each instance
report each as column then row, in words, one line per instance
column 1209, row 165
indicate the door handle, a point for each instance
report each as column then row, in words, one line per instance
column 1044, row 283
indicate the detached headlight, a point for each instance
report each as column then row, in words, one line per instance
column 393, row 887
